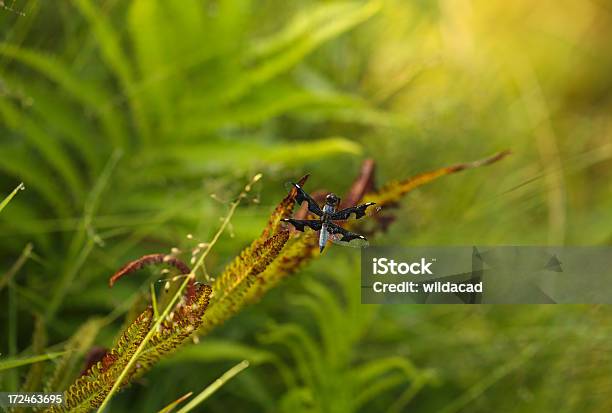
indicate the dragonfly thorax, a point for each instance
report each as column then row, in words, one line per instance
column 327, row 211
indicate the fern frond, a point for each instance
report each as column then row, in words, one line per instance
column 241, row 267
column 89, row 390
column 232, row 286
column 298, row 251
column 177, row 328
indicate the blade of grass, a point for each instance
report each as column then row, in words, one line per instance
column 287, row 58
column 51, row 150
column 154, row 301
column 10, row 196
column 18, row 163
column 301, row 25
column 248, row 154
column 175, row 403
column 216, row 385
column 56, row 114
column 34, row 377
column 179, row 292
column 113, row 54
column 12, row 378
column 478, row 389
column 11, row 363
column 83, row 242
column 86, row 93
column 25, row 254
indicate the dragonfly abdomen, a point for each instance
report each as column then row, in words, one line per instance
column 323, row 235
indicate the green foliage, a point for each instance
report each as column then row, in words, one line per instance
column 331, row 373
column 121, row 118
column 144, row 342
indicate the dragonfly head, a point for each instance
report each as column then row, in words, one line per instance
column 331, row 199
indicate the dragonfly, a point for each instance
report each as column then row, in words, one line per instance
column 328, row 230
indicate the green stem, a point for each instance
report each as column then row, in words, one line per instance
column 216, row 385
column 154, row 301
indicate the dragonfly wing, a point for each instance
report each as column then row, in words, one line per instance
column 303, row 196
column 340, row 236
column 301, row 224
column 359, row 211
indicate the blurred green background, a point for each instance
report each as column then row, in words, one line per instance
column 123, row 117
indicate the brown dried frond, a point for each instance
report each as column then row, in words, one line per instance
column 283, row 210
column 363, row 184
column 147, row 260
column 153, row 259
column 395, row 190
